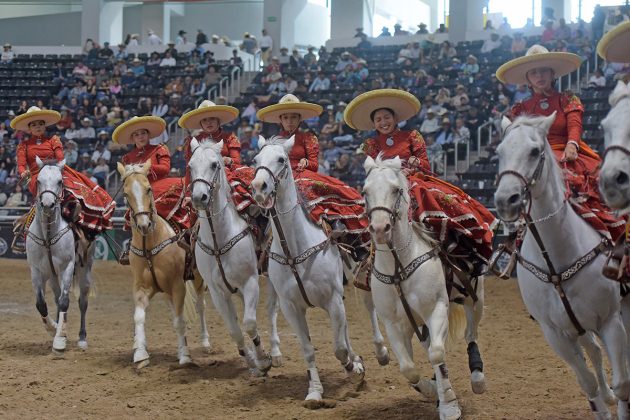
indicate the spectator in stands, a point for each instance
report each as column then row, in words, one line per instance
column 160, row 109
column 323, row 164
column 343, row 62
column 561, row 46
column 290, row 83
column 364, row 44
column 249, row 44
column 597, row 80
column 522, row 93
column 341, row 169
column 168, row 60
column 332, row 152
column 106, row 52
column 489, row 26
column 296, row 61
column 548, row 34
column 447, row 51
column 59, row 74
column 597, row 23
column 398, row 31
column 80, row 70
column 181, row 38
column 422, row 29
column 7, row 54
column 250, row 112
column 174, row 109
column 384, row 32
column 435, row 153
column 491, row 44
column 171, row 49
column 518, row 44
column 461, row 133
column 101, row 152
column 331, row 127
column 88, row 46
column 442, row 29
column 361, row 72
column 310, row 58
column 100, row 171
column 154, row 60
column 211, row 78
column 133, row 40
column 266, row 46
column 277, row 86
column 71, row 154
column 201, row 38
column 564, row 31
column 4, row 174
column 405, row 54
column 505, row 26
column 430, row 125
column 460, row 98
column 137, row 68
column 359, row 33
column 235, row 60
column 197, row 88
column 86, row 131
column 445, row 134
column 72, row 132
column 443, row 97
column 84, row 163
column 152, row 38
column 18, row 198
column 323, row 54
column 471, row 67
column 345, row 76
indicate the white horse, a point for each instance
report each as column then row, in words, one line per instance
column 530, row 177
column 423, row 285
column 53, row 256
column 226, row 255
column 614, row 176
column 312, row 258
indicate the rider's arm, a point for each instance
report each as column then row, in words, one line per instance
column 419, row 150
column 311, row 145
column 234, row 149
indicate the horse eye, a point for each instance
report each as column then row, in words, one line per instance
column 281, row 160
column 214, row 166
column 535, row 152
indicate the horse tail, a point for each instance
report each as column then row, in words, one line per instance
column 190, row 304
column 456, row 324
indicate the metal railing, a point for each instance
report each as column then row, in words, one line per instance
column 488, row 125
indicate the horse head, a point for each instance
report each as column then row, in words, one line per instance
column 138, row 195
column 614, row 177
column 49, row 184
column 272, row 167
column 206, row 169
column 525, row 162
column 386, row 196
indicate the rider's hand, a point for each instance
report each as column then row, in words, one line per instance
column 413, row 162
column 302, row 165
column 227, row 161
column 570, row 152
column 25, row 174
column 407, row 171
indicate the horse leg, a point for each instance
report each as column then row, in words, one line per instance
column 250, row 294
column 587, row 341
column 39, row 287
column 438, row 325
column 625, row 316
column 272, row 313
column 61, row 336
column 353, row 365
column 474, row 313
column 296, row 317
column 179, row 324
column 140, row 354
column 382, row 354
column 85, row 282
column 614, row 336
column 571, row 353
column 204, row 336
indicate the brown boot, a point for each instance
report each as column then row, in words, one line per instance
column 189, row 266
column 124, row 255
column 617, row 262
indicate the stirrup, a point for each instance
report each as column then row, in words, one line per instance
column 615, row 268
column 506, row 273
column 124, row 257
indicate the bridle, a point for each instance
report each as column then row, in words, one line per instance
column 616, row 147
column 282, row 175
column 134, row 214
column 526, row 184
column 211, row 187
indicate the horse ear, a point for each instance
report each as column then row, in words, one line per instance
column 146, row 167
column 261, row 141
column 194, row 143
column 218, row 147
column 369, row 164
column 39, row 162
column 121, row 169
column 288, row 145
column 548, row 121
column 505, row 123
column 61, row 164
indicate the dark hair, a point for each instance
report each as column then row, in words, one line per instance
column 391, row 111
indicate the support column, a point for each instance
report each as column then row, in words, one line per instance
column 154, row 18
column 465, row 16
column 433, row 22
column 90, row 20
column 102, row 21
column 347, row 15
column 272, row 22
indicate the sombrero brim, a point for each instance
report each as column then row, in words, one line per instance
column 357, row 113
column 272, row 113
column 49, row 117
column 192, row 119
column 614, row 46
column 154, row 125
column 514, row 71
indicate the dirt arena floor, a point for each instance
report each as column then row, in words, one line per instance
column 525, row 379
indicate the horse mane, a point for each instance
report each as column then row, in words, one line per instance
column 275, row 140
column 527, row 120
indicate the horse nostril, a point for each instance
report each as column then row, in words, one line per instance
column 204, row 197
column 371, row 228
column 263, row 186
column 514, row 199
column 622, row 178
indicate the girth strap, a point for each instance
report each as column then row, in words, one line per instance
column 148, row 254
column 49, row 242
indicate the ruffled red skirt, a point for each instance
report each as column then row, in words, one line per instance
column 95, row 205
column 240, row 178
column 445, row 209
column 327, row 198
column 581, row 177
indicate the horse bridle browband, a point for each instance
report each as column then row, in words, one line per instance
column 617, row 147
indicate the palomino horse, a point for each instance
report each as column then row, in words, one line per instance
column 157, row 264
column 226, row 254
column 614, row 176
column 304, row 267
column 408, row 284
column 53, row 256
column 560, row 260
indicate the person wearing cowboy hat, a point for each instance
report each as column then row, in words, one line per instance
column 167, row 192
column 181, row 38
column 206, row 121
column 468, row 223
column 153, row 39
column 539, row 69
column 85, row 204
column 613, row 47
column 423, row 29
column 7, row 54
column 343, row 207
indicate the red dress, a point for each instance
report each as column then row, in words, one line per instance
column 171, row 202
column 582, row 175
column 441, row 206
column 96, row 205
column 325, row 197
column 239, row 176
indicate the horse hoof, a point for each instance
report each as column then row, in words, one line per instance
column 264, row 364
column 478, row 382
column 205, row 343
column 185, row 360
column 428, row 388
column 276, row 361
column 450, row 411
column 140, row 355
column 59, row 343
column 608, row 396
column 358, row 371
column 314, row 396
column 141, row 364
column 58, row 354
column 83, row 344
column 383, row 359
column 257, row 373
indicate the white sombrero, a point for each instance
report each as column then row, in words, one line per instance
column 154, row 125
column 358, row 112
column 289, row 104
column 34, row 113
column 615, row 45
column 537, row 56
column 207, row 109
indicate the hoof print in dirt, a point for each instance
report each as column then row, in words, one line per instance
column 316, row 405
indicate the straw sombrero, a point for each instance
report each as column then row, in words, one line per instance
column 289, row 104
column 192, row 119
column 515, row 71
column 34, row 113
column 614, row 46
column 357, row 114
column 154, row 125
